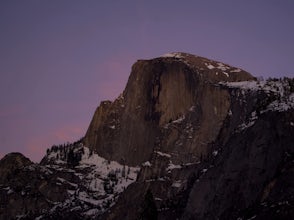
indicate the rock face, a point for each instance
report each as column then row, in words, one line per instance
column 189, row 138
column 250, row 164
column 158, row 92
column 10, row 163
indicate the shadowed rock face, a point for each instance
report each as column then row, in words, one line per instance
column 10, row 163
column 158, row 92
column 245, row 175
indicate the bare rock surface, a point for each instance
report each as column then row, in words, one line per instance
column 160, row 91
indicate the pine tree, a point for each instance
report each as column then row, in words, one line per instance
column 123, row 173
column 149, row 210
column 72, row 158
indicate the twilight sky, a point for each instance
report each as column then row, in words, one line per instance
column 60, row 58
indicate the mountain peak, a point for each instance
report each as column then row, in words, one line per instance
column 212, row 70
column 185, row 135
column 158, row 91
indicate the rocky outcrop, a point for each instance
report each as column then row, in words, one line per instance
column 243, row 177
column 158, row 92
column 189, row 138
column 10, row 163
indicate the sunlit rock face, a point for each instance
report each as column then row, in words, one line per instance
column 189, row 138
column 158, row 92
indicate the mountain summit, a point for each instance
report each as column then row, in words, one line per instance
column 158, row 92
column 189, row 138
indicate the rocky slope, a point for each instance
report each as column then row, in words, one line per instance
column 189, row 138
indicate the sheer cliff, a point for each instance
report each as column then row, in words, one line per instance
column 158, row 92
column 188, row 138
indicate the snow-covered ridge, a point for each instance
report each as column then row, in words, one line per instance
column 276, row 86
column 101, row 180
column 277, row 96
column 281, row 90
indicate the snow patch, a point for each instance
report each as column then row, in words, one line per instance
column 227, row 75
column 223, row 67
column 174, row 55
column 230, row 112
column 215, row 153
column 204, row 170
column 172, row 166
column 278, row 89
column 146, row 164
column 163, row 154
column 179, row 120
column 235, row 70
column 249, row 123
column 92, row 212
column 192, row 108
column 209, row 66
column 177, row 184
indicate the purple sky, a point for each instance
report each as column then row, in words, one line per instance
column 59, row 59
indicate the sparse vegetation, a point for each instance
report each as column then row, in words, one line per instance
column 66, row 152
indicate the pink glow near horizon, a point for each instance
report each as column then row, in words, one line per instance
column 36, row 146
column 59, row 59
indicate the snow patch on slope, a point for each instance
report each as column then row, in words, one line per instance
column 101, row 181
